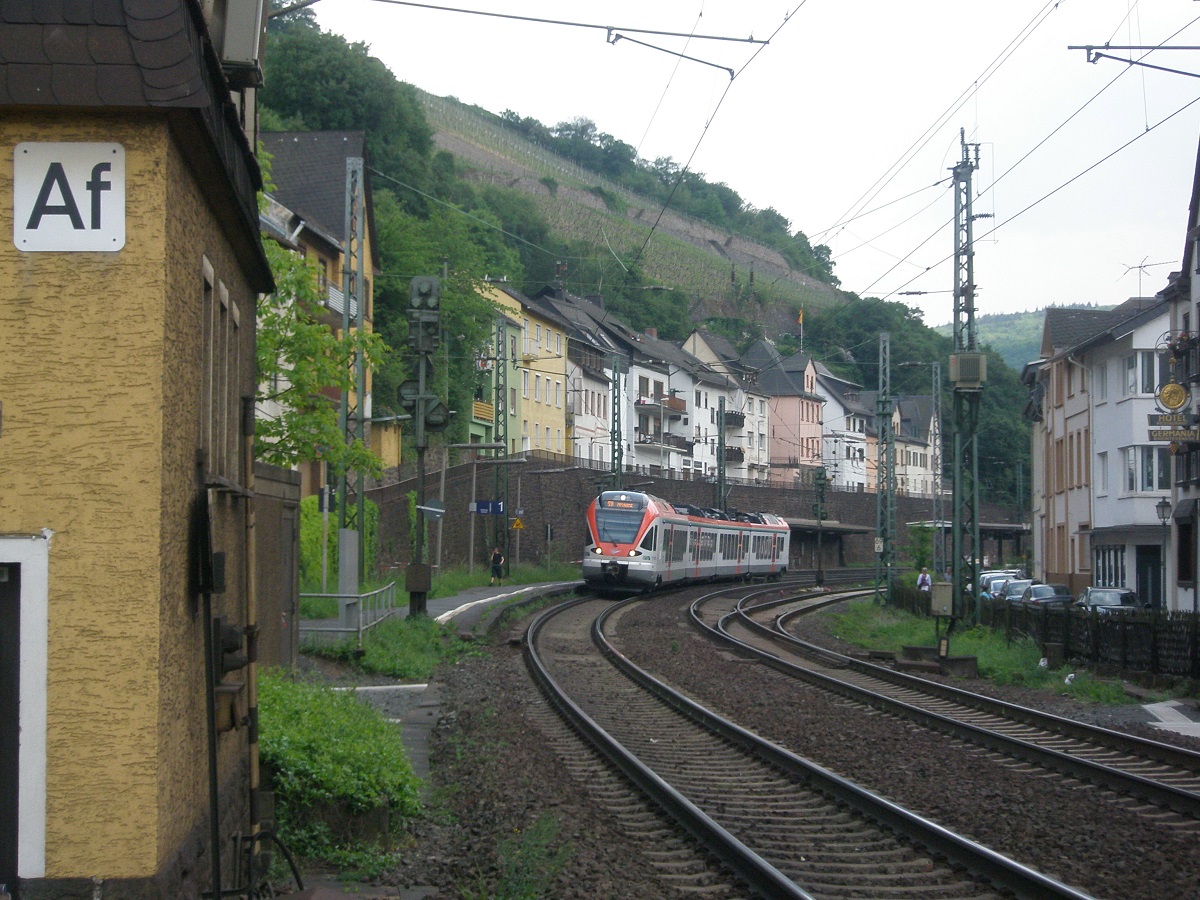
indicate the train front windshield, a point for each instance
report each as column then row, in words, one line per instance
column 619, row 516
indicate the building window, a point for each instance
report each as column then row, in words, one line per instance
column 512, row 401
column 558, row 344
column 537, row 387
column 558, row 393
column 1109, row 566
column 1102, row 382
column 1147, row 468
column 1102, row 473
column 525, row 383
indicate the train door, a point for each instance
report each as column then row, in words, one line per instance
column 10, row 696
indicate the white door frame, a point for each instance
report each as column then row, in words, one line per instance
column 32, row 553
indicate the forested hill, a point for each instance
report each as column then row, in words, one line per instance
column 676, row 228
column 475, row 194
column 1015, row 337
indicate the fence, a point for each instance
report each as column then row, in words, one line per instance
column 357, row 613
column 1161, row 642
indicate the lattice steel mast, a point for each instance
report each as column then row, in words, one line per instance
column 968, row 372
column 885, row 475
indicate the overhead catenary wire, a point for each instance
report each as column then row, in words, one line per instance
column 1025, row 157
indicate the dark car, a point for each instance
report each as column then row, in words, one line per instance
column 1013, row 589
column 1107, row 600
column 1047, row 595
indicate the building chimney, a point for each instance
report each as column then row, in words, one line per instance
column 652, row 332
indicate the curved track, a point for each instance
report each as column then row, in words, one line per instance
column 785, row 826
column 1136, row 769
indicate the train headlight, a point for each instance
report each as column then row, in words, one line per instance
column 635, row 552
column 597, row 550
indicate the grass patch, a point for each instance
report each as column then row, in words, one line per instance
column 528, row 864
column 404, row 648
column 327, row 751
column 1004, row 662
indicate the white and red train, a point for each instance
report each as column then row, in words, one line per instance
column 639, row 541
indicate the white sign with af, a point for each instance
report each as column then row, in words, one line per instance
column 68, row 197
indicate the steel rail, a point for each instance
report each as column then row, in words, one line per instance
column 748, row 865
column 1181, row 801
column 981, row 861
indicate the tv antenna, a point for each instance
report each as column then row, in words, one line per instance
column 1142, row 267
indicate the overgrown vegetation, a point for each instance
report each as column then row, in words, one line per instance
column 408, row 648
column 867, row 625
column 312, row 526
column 528, row 864
column 328, row 755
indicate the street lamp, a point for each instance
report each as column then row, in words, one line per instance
column 1163, row 508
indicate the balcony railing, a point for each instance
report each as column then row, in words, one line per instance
column 1185, row 349
column 735, row 455
column 483, row 411
column 673, row 406
column 735, row 419
column 672, row 441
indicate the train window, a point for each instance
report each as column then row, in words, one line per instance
column 678, row 545
column 618, row 526
column 649, row 540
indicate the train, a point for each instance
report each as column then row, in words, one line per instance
column 639, row 542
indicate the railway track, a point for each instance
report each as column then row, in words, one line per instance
column 784, row 826
column 1136, row 770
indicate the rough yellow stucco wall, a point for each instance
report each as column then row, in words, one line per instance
column 101, row 377
column 193, row 236
column 81, row 382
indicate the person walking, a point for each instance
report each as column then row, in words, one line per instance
column 497, row 566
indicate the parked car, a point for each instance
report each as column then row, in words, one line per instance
column 1107, row 600
column 1047, row 595
column 991, row 582
column 1013, row 589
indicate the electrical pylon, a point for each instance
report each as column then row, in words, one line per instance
column 968, row 372
column 885, row 476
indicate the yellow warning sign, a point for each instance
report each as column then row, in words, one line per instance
column 518, row 525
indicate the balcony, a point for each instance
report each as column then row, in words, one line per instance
column 672, row 442
column 672, row 407
column 735, row 455
column 735, row 419
column 483, row 412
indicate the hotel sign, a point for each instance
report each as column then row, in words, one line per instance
column 68, row 197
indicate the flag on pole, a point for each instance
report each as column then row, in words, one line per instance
column 800, row 318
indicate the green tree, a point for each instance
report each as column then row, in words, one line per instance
column 301, row 365
column 330, row 84
column 468, row 248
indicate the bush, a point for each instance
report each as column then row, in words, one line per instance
column 325, row 750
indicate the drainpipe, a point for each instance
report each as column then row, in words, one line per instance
column 252, row 634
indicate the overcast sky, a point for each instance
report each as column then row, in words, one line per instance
column 848, row 122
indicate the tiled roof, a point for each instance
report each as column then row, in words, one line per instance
column 1068, row 327
column 138, row 54
column 101, row 53
column 309, row 171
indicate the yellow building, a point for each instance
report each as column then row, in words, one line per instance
column 542, row 372
column 128, row 308
column 307, row 211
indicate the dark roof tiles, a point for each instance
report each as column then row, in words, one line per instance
column 116, row 53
